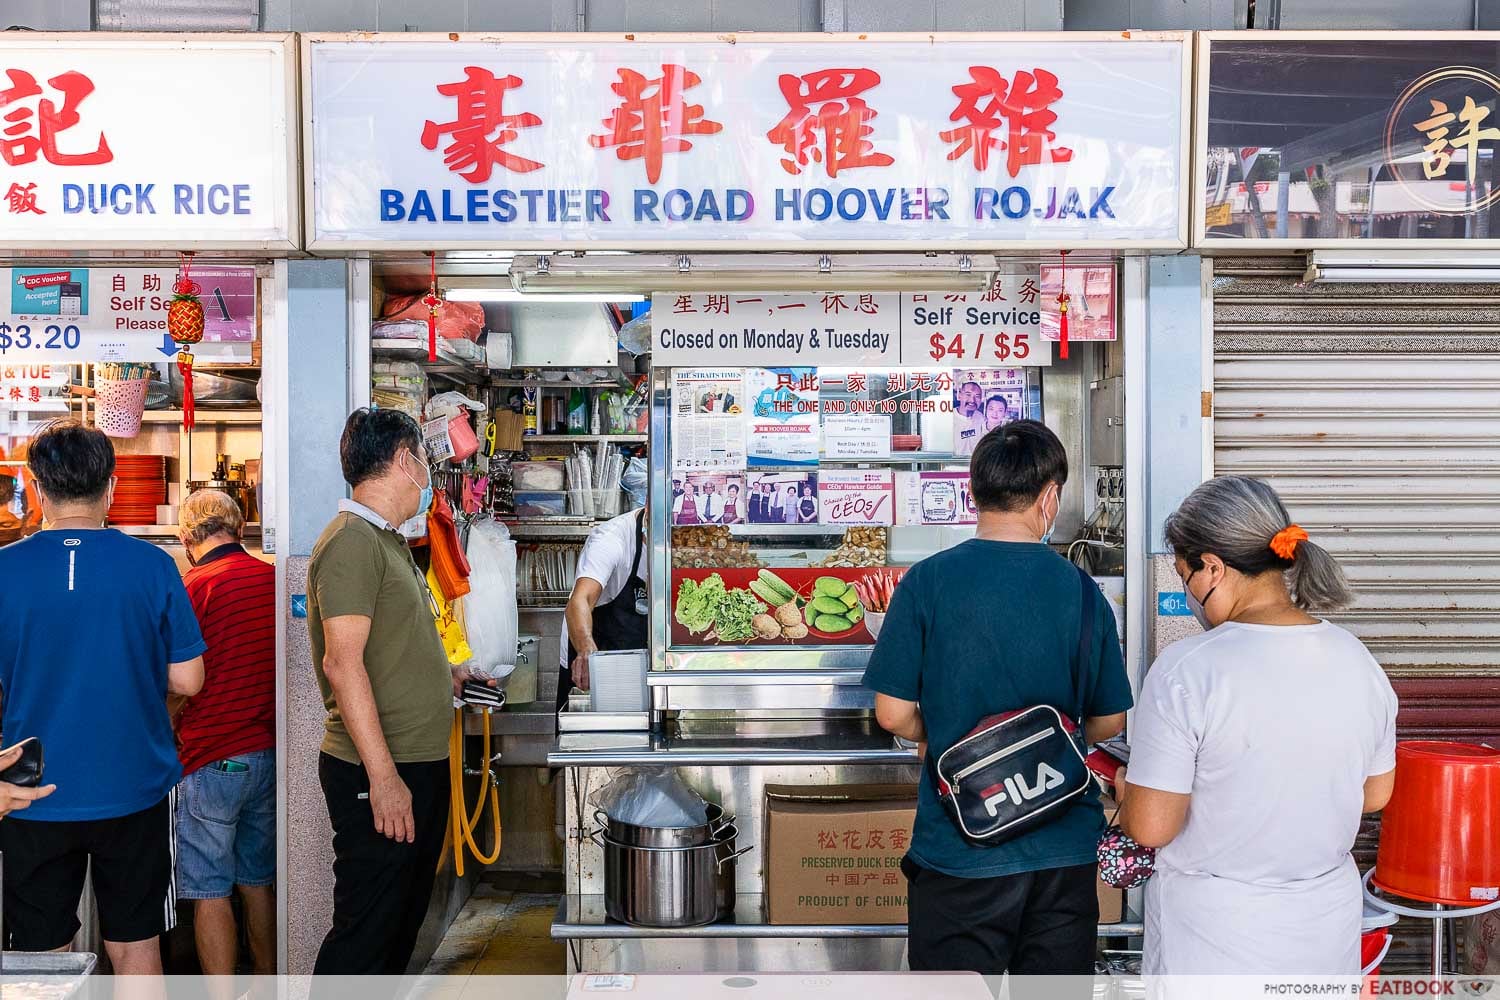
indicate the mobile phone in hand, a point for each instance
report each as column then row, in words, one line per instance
column 1106, row 759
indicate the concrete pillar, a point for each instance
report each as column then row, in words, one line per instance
column 318, row 366
column 1179, row 361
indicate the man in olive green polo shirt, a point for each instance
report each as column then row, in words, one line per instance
column 388, row 689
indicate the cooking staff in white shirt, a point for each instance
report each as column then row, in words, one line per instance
column 609, row 606
column 1256, row 749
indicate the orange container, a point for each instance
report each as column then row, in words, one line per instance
column 1440, row 834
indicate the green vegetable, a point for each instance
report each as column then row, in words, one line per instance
column 698, row 603
column 736, row 610
column 768, row 593
column 780, row 587
column 828, row 606
column 832, row 623
column 856, row 613
column 830, row 586
column 850, row 598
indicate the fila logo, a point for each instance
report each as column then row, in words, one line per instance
column 1016, row 790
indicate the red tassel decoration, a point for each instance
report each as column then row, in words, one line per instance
column 189, row 407
column 432, row 302
column 1062, row 312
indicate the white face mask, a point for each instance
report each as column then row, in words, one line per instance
column 1195, row 605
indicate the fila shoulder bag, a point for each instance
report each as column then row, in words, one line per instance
column 1019, row 770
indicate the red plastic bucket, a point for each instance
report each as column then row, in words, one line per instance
column 1440, row 834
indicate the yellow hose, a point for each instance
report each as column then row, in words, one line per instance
column 464, row 825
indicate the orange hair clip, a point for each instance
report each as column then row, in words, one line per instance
column 1285, row 541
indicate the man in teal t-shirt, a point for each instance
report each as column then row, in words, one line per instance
column 992, row 626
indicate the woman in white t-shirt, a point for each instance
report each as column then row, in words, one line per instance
column 1255, row 750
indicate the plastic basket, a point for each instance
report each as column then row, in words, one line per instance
column 120, row 405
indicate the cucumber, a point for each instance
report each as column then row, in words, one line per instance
column 810, row 615
column 850, row 598
column 830, row 586
column 767, row 593
column 828, row 606
column 856, row 613
column 833, row 624
column 779, row 586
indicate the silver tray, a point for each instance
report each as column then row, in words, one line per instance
column 51, row 970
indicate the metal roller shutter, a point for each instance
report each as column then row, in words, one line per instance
column 1375, row 410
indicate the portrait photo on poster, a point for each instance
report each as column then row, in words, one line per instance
column 983, row 399
column 785, row 496
column 708, row 497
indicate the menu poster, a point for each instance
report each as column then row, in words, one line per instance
column 789, row 496
column 783, row 420
column 945, row 498
column 856, row 497
column 858, row 436
column 983, row 399
column 1091, row 302
column 708, row 427
column 708, row 498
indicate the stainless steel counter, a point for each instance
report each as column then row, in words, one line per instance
column 738, row 744
column 583, row 917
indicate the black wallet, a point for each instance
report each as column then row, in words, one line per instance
column 27, row 771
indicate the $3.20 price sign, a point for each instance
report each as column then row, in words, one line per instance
column 1015, row 348
column 48, row 337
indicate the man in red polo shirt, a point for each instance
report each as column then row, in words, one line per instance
column 226, row 734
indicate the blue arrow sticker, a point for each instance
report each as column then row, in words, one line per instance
column 1172, row 604
column 299, row 605
column 168, row 345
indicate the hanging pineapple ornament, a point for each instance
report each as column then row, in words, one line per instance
column 1062, row 311
column 185, row 327
column 433, row 304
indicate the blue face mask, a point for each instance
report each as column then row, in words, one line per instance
column 1047, row 535
column 425, row 503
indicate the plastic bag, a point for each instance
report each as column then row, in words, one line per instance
column 490, row 609
column 455, row 320
column 654, row 797
column 636, row 480
column 450, row 404
column 635, row 336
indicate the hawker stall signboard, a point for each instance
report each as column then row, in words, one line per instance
column 761, row 142
column 147, row 141
column 1311, row 140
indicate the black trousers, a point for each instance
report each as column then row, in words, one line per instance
column 380, row 887
column 1034, row 924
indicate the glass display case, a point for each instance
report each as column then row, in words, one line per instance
column 794, row 499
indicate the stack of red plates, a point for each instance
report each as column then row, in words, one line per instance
column 140, row 486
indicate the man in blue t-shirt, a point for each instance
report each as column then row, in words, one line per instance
column 99, row 630
column 990, row 626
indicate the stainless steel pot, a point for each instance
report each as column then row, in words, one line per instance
column 631, row 835
column 669, row 886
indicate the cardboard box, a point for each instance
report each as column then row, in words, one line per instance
column 817, row 834
column 833, row 853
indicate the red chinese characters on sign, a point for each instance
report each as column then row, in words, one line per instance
column 481, row 129
column 1021, row 107
column 827, row 121
column 28, row 132
column 654, row 118
column 21, row 199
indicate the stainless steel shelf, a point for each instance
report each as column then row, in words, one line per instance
column 566, row 438
column 203, row 415
column 539, row 529
column 584, row 918
column 735, row 678
column 525, row 721
column 252, row 530
column 732, row 751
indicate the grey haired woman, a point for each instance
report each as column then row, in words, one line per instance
column 1256, row 748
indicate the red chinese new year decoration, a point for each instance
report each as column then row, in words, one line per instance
column 185, row 327
column 1062, row 311
column 827, row 102
column 27, row 132
column 654, row 117
column 1021, row 105
column 482, row 128
column 433, row 304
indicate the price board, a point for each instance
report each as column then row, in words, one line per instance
column 60, row 316
column 1001, row 326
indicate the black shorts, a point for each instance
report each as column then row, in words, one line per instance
column 45, row 865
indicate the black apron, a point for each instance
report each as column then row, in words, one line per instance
column 618, row 624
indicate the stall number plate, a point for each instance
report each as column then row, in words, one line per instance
column 608, row 984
